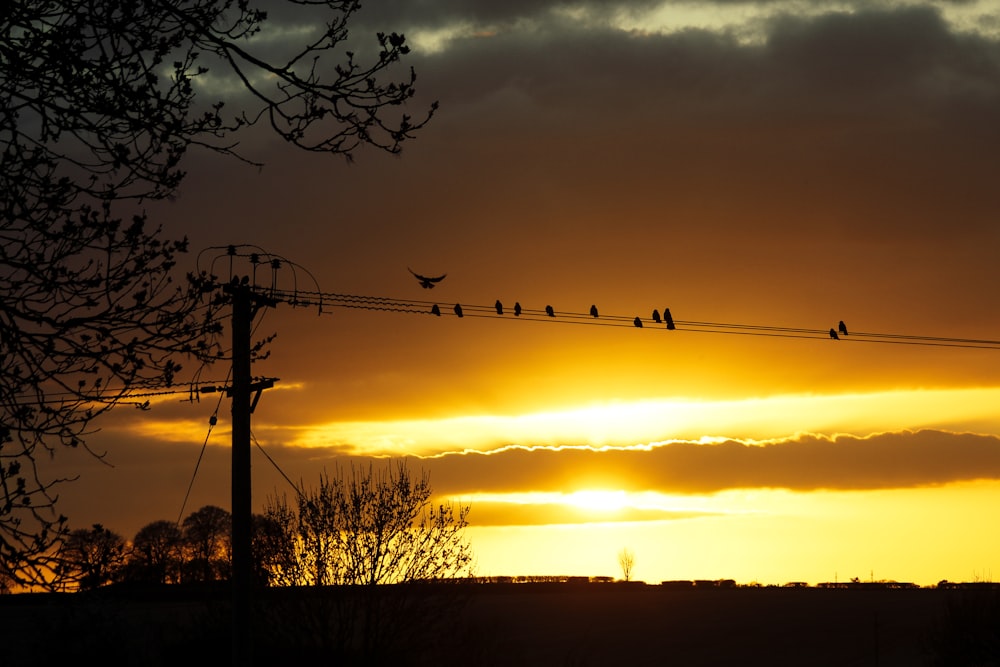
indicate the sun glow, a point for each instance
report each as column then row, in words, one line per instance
column 735, row 501
column 769, row 536
column 596, row 500
column 630, row 423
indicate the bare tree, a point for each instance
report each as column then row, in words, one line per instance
column 156, row 555
column 208, row 544
column 98, row 107
column 626, row 561
column 275, row 562
column 6, row 583
column 369, row 527
column 375, row 533
column 92, row 557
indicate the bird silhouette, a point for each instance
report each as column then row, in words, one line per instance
column 593, row 311
column 499, row 307
column 517, row 308
column 435, row 310
column 458, row 310
column 833, row 334
column 656, row 316
column 843, row 327
column 668, row 318
column 425, row 282
column 637, row 322
column 549, row 311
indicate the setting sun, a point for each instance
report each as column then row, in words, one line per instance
column 601, row 501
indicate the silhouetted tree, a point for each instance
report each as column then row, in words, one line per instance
column 276, row 559
column 377, row 535
column 368, row 527
column 208, row 547
column 98, row 107
column 156, row 555
column 7, row 583
column 626, row 561
column 92, row 557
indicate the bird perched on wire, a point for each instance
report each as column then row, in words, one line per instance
column 425, row 282
column 435, row 310
column 637, row 322
column 517, row 308
column 549, row 311
column 833, row 334
column 668, row 318
column 843, row 327
column 593, row 311
column 458, row 310
column 499, row 307
column 656, row 316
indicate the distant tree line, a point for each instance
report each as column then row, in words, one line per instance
column 360, row 526
column 343, row 571
column 162, row 552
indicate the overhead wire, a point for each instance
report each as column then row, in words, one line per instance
column 274, row 463
column 329, row 301
column 212, row 421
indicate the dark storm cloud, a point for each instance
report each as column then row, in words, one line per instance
column 437, row 13
column 877, row 55
column 867, row 108
column 536, row 46
column 808, row 463
column 900, row 61
column 843, row 118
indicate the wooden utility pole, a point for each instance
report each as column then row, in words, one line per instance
column 243, row 301
column 242, row 505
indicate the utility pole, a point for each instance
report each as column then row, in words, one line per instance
column 242, row 506
column 243, row 301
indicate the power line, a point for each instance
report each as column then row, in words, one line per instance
column 212, row 421
column 327, row 301
column 261, row 261
column 274, row 463
column 121, row 394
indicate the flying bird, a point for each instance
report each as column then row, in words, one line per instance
column 517, row 308
column 549, row 311
column 833, row 334
column 425, row 282
column 656, row 316
column 458, row 310
column 843, row 327
column 593, row 311
column 668, row 318
column 499, row 307
column 637, row 322
column 435, row 310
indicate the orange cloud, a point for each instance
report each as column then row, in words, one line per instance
column 804, row 463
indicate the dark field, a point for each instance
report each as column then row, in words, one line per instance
column 561, row 624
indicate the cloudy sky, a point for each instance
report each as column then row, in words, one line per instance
column 765, row 164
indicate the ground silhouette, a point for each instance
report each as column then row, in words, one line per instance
column 541, row 623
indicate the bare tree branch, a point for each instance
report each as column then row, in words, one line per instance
column 99, row 104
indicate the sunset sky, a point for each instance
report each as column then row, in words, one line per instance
column 774, row 164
